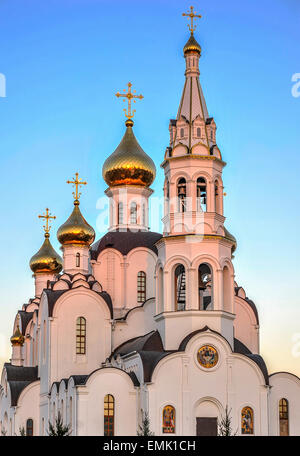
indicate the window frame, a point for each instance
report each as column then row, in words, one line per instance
column 29, row 434
column 141, row 286
column 80, row 335
column 109, row 424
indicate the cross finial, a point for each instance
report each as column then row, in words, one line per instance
column 77, row 183
column 192, row 15
column 47, row 217
column 129, row 95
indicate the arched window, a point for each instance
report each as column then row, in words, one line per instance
column 181, row 194
column 161, row 290
column 77, row 260
column 217, row 205
column 141, row 286
column 80, row 336
column 62, row 410
column 205, row 287
column 120, row 213
column 198, row 132
column 201, row 194
column 71, row 414
column 133, row 213
column 227, row 285
column 44, row 341
column 180, row 295
column 168, row 420
column 182, row 132
column 283, row 417
column 29, row 427
column 144, row 213
column 247, row 421
column 109, row 415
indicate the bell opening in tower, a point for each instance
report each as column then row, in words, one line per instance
column 205, row 287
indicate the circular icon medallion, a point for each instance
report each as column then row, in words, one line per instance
column 207, row 356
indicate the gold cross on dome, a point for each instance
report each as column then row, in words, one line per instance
column 47, row 217
column 129, row 95
column 192, row 15
column 77, row 183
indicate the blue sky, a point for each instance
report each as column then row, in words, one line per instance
column 64, row 61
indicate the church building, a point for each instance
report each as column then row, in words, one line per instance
column 139, row 322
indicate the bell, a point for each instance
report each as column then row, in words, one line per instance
column 181, row 191
column 202, row 285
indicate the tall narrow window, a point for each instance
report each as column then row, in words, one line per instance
column 217, row 208
column 133, row 213
column 71, row 413
column 198, row 132
column 80, row 336
column 181, row 194
column 44, row 341
column 141, row 286
column 77, row 260
column 247, row 421
column 144, row 214
column 168, row 418
column 120, row 214
column 201, row 195
column 180, row 287
column 205, row 287
column 211, row 135
column 182, row 132
column 284, row 417
column 29, row 427
column 109, row 415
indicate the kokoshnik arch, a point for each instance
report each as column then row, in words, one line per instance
column 146, row 322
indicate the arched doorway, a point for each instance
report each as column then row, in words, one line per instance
column 207, row 414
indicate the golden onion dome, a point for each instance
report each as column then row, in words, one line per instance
column 129, row 164
column 46, row 260
column 17, row 338
column 76, row 230
column 192, row 45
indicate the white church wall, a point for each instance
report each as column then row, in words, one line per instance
column 109, row 270
column 245, row 325
column 287, row 386
column 28, row 407
column 90, row 407
column 139, row 321
column 139, row 259
column 180, row 381
column 71, row 305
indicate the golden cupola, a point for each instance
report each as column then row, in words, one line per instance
column 192, row 45
column 76, row 230
column 129, row 164
column 46, row 260
column 17, row 338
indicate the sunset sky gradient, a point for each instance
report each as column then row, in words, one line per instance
column 64, row 60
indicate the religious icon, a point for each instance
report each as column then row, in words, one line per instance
column 207, row 356
column 247, row 420
column 168, row 420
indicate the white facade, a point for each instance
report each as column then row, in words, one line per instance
column 150, row 323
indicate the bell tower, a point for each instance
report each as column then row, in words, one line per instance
column 195, row 275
